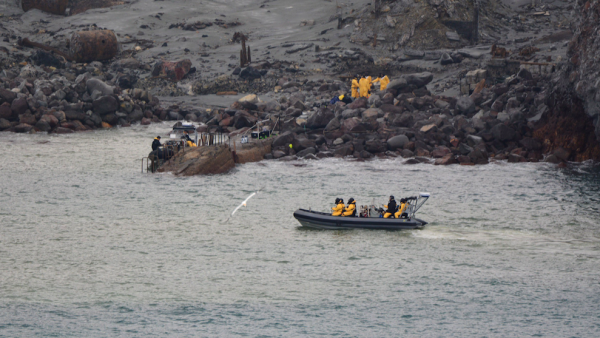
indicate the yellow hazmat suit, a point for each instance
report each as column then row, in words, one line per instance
column 355, row 88
column 363, row 86
column 388, row 213
column 383, row 83
column 350, row 209
column 376, row 80
column 338, row 209
column 401, row 210
column 191, row 144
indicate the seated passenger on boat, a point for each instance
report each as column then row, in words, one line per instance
column 188, row 141
column 403, row 205
column 351, row 208
column 339, row 207
column 392, row 207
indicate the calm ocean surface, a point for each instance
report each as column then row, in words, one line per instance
column 90, row 247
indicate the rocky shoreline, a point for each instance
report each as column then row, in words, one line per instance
column 460, row 104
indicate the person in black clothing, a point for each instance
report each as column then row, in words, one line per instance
column 391, row 208
column 186, row 136
column 156, row 143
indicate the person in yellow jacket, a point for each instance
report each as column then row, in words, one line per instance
column 355, row 88
column 363, row 86
column 383, row 82
column 339, row 207
column 391, row 207
column 350, row 209
column 403, row 205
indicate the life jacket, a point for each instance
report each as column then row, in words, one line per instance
column 351, row 207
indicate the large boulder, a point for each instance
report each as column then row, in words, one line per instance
column 420, row 79
column 4, row 124
column 7, row 95
column 361, row 102
column 320, row 119
column 5, row 111
column 397, row 142
column 440, row 152
column 43, row 125
column 307, row 151
column 253, row 152
column 27, row 118
column 372, row 113
column 352, row 125
column 250, row 73
column 283, row 139
column 19, row 106
column 334, row 124
column 404, row 120
column 300, row 144
column 243, row 119
column 465, row 105
column 391, row 109
column 98, row 85
column 23, row 128
column 375, row 146
column 105, row 105
column 397, row 84
column 446, row 160
column 249, row 101
column 503, row 132
column 200, row 161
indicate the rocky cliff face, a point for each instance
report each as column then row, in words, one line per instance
column 573, row 120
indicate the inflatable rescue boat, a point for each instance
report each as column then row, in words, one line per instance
column 369, row 217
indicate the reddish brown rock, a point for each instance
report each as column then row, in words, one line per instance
column 446, row 160
column 5, row 111
column 253, row 152
column 23, row 128
column 27, row 119
column 50, row 119
column 440, row 152
column 422, row 152
column 200, row 161
column 174, row 71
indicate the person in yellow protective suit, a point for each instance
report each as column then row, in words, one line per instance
column 363, row 86
column 391, row 207
column 355, row 88
column 376, row 81
column 370, row 85
column 383, row 83
column 403, row 205
column 339, row 207
column 350, row 209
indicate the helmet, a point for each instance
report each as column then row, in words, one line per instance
column 391, row 197
column 341, row 200
column 337, row 200
column 350, row 200
column 403, row 200
column 158, row 137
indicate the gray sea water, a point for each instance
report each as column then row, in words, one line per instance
column 90, row 247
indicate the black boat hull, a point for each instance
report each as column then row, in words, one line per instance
column 323, row 221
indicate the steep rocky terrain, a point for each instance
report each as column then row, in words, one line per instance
column 573, row 120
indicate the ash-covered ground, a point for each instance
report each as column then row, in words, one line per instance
column 467, row 55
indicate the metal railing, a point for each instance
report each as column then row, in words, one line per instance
column 211, row 139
